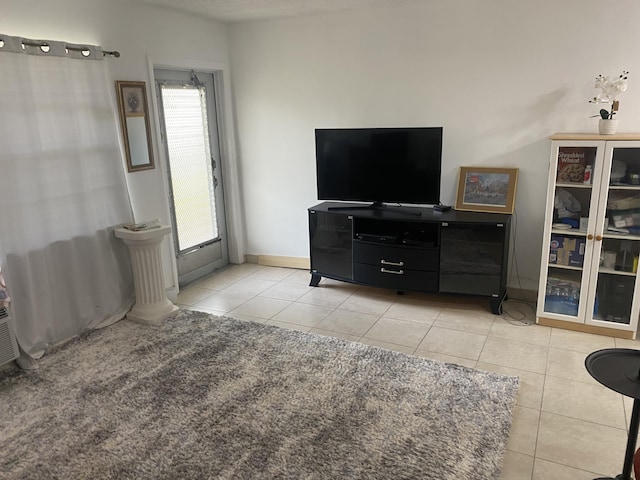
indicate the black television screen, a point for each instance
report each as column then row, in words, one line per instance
column 392, row 165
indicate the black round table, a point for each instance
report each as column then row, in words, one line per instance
column 619, row 370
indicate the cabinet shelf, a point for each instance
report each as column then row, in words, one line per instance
column 610, row 271
column 573, row 185
column 582, row 233
column 570, row 231
column 564, row 267
column 624, row 187
column 621, row 236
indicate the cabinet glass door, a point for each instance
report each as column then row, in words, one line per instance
column 571, row 216
column 331, row 242
column 472, row 257
column 617, row 239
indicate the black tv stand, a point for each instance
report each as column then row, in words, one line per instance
column 418, row 250
column 379, row 206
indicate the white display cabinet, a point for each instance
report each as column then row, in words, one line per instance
column 589, row 271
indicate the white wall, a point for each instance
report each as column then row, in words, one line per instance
column 500, row 77
column 141, row 35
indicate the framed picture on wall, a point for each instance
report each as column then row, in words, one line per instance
column 487, row 189
column 136, row 130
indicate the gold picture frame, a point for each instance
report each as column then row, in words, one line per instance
column 487, row 189
column 136, row 129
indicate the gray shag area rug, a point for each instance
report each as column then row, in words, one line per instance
column 205, row 397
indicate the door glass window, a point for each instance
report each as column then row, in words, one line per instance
column 190, row 165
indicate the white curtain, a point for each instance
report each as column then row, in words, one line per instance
column 62, row 189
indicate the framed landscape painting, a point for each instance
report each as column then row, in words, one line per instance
column 487, row 189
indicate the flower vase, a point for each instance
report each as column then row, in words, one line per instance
column 607, row 126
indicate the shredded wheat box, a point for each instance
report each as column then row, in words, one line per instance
column 571, row 163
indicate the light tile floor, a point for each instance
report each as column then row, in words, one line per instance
column 566, row 426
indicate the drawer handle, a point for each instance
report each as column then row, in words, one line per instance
column 399, row 272
column 393, row 264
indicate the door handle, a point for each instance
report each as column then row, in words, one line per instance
column 393, row 264
column 589, row 237
column 398, row 272
column 598, row 237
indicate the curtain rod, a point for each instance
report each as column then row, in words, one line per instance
column 39, row 43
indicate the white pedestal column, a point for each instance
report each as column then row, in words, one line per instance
column 152, row 305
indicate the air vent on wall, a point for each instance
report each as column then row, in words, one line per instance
column 8, row 345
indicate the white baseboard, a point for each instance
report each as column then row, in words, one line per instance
column 301, row 263
column 250, row 258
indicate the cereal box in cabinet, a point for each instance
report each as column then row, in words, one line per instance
column 572, row 162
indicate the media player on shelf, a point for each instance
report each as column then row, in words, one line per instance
column 371, row 237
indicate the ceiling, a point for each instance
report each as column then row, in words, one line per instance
column 229, row 11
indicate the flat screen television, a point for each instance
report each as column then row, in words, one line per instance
column 379, row 165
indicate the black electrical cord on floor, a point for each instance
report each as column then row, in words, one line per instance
column 521, row 319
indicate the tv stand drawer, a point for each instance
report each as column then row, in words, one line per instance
column 396, row 256
column 396, row 278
